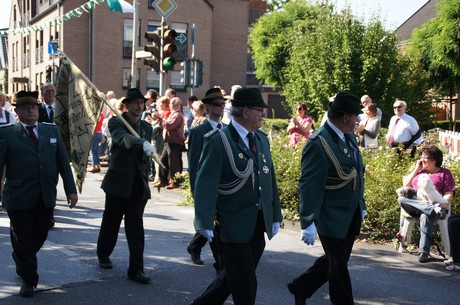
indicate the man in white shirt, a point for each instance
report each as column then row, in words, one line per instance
column 403, row 129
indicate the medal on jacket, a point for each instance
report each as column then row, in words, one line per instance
column 240, row 155
column 265, row 169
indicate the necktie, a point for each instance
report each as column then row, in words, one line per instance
column 51, row 113
column 219, row 126
column 32, row 134
column 391, row 137
column 252, row 142
column 350, row 146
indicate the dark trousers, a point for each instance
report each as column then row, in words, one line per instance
column 454, row 236
column 133, row 210
column 198, row 242
column 171, row 157
column 331, row 267
column 28, row 231
column 239, row 276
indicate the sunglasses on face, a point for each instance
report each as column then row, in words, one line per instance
column 397, row 107
column 217, row 104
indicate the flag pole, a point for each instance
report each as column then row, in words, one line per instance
column 117, row 113
column 134, row 48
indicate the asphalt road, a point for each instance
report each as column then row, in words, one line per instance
column 69, row 273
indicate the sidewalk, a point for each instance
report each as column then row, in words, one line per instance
column 69, row 273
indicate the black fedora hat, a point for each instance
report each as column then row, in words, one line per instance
column 213, row 94
column 133, row 94
column 250, row 97
column 25, row 97
column 346, row 103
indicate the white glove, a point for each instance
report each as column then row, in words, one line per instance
column 148, row 149
column 208, row 234
column 309, row 234
column 363, row 214
column 275, row 228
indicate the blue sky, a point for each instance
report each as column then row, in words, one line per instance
column 393, row 11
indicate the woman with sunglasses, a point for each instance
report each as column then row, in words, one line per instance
column 300, row 125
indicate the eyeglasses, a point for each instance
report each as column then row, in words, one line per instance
column 300, row 108
column 397, row 107
column 257, row 109
column 217, row 104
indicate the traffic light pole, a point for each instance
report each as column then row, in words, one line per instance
column 193, row 57
column 162, row 88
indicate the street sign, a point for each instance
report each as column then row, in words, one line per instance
column 53, row 47
column 164, row 7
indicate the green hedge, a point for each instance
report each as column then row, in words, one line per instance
column 384, row 173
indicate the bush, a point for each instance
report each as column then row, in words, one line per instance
column 384, row 172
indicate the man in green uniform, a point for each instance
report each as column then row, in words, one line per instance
column 332, row 202
column 237, row 181
column 33, row 154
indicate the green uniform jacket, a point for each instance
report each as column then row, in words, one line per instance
column 195, row 146
column 33, row 171
column 237, row 212
column 331, row 210
column 127, row 159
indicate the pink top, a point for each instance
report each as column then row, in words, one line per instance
column 443, row 180
column 296, row 133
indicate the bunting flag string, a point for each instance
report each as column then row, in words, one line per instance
column 77, row 12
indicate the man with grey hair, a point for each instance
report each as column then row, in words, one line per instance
column 236, row 181
column 366, row 101
column 403, row 129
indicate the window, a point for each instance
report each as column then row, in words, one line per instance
column 126, row 81
column 153, row 80
column 127, row 38
column 152, row 25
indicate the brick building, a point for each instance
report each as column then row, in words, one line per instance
column 99, row 42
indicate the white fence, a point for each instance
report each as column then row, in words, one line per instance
column 450, row 140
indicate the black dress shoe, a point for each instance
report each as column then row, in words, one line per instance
column 298, row 298
column 196, row 259
column 27, row 290
column 105, row 263
column 139, row 277
column 423, row 257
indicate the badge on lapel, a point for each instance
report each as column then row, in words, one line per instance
column 53, row 140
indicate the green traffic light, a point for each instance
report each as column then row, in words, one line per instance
column 168, row 63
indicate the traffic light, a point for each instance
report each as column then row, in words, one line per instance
column 153, row 46
column 198, row 73
column 169, row 48
column 48, row 74
column 185, row 72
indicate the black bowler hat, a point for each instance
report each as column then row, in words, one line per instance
column 250, row 97
column 346, row 103
column 133, row 94
column 213, row 94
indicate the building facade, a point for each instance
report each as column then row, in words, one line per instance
column 100, row 42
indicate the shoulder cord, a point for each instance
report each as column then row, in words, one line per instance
column 342, row 175
column 237, row 184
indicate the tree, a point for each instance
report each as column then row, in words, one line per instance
column 274, row 5
column 311, row 52
column 268, row 40
column 437, row 45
